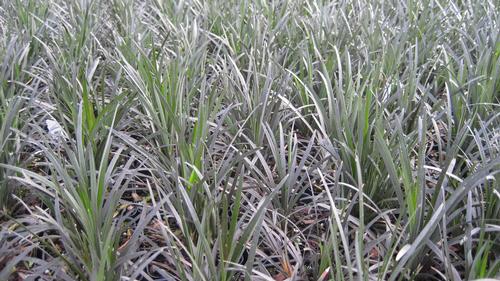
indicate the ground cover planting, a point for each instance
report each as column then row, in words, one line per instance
column 205, row 140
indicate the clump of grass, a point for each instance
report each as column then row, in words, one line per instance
column 249, row 140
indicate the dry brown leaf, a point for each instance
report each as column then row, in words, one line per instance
column 136, row 197
column 280, row 277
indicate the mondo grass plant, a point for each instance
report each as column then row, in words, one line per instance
column 249, row 140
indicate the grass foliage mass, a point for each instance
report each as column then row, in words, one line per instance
column 216, row 140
